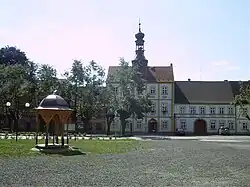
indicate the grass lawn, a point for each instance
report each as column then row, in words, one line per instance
column 11, row 148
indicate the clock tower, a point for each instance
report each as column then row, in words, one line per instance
column 140, row 62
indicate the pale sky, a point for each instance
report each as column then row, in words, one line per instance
column 204, row 39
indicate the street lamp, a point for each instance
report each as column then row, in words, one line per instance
column 27, row 105
column 8, row 104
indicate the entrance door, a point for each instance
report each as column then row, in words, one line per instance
column 152, row 126
column 200, row 127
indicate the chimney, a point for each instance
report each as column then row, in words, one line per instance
column 225, row 80
column 189, row 79
column 171, row 64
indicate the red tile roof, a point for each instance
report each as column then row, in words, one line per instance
column 154, row 73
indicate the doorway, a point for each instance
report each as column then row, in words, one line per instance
column 200, row 127
column 152, row 126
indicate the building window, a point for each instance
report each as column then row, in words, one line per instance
column 164, row 124
column 221, row 110
column 116, row 90
column 244, row 126
column 183, row 124
column 202, row 110
column 231, row 125
column 152, row 90
column 138, row 124
column 212, row 110
column 230, row 110
column 164, row 90
column 153, row 111
column 192, row 110
column 222, row 123
column 164, row 108
column 212, row 124
column 182, row 110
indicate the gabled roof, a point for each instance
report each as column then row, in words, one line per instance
column 216, row 92
column 154, row 73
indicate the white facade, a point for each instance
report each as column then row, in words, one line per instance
column 184, row 115
column 214, row 115
column 161, row 95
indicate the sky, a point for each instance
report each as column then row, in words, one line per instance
column 203, row 39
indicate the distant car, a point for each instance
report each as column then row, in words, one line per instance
column 223, row 131
column 180, row 132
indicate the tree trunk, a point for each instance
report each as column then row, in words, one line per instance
column 131, row 128
column 123, row 124
column 108, row 127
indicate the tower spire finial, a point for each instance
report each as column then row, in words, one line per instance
column 139, row 25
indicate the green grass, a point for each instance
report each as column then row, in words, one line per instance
column 11, row 148
column 22, row 148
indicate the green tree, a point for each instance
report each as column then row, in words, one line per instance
column 242, row 99
column 132, row 100
column 12, row 56
column 91, row 101
column 65, row 89
column 47, row 80
column 17, row 80
column 76, row 78
column 86, row 88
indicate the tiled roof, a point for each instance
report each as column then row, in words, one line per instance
column 154, row 73
column 203, row 92
column 216, row 92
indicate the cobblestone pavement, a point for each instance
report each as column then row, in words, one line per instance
column 166, row 163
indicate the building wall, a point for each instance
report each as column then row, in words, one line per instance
column 243, row 124
column 236, row 122
column 161, row 95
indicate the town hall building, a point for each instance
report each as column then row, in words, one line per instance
column 198, row 107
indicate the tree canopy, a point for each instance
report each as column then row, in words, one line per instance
column 243, row 100
column 83, row 87
column 132, row 101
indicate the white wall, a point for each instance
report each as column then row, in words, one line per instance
column 207, row 117
column 158, row 99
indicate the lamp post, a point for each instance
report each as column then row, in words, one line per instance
column 8, row 104
column 27, row 105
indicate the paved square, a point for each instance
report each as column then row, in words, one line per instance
column 166, row 163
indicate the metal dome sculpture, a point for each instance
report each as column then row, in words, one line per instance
column 53, row 108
